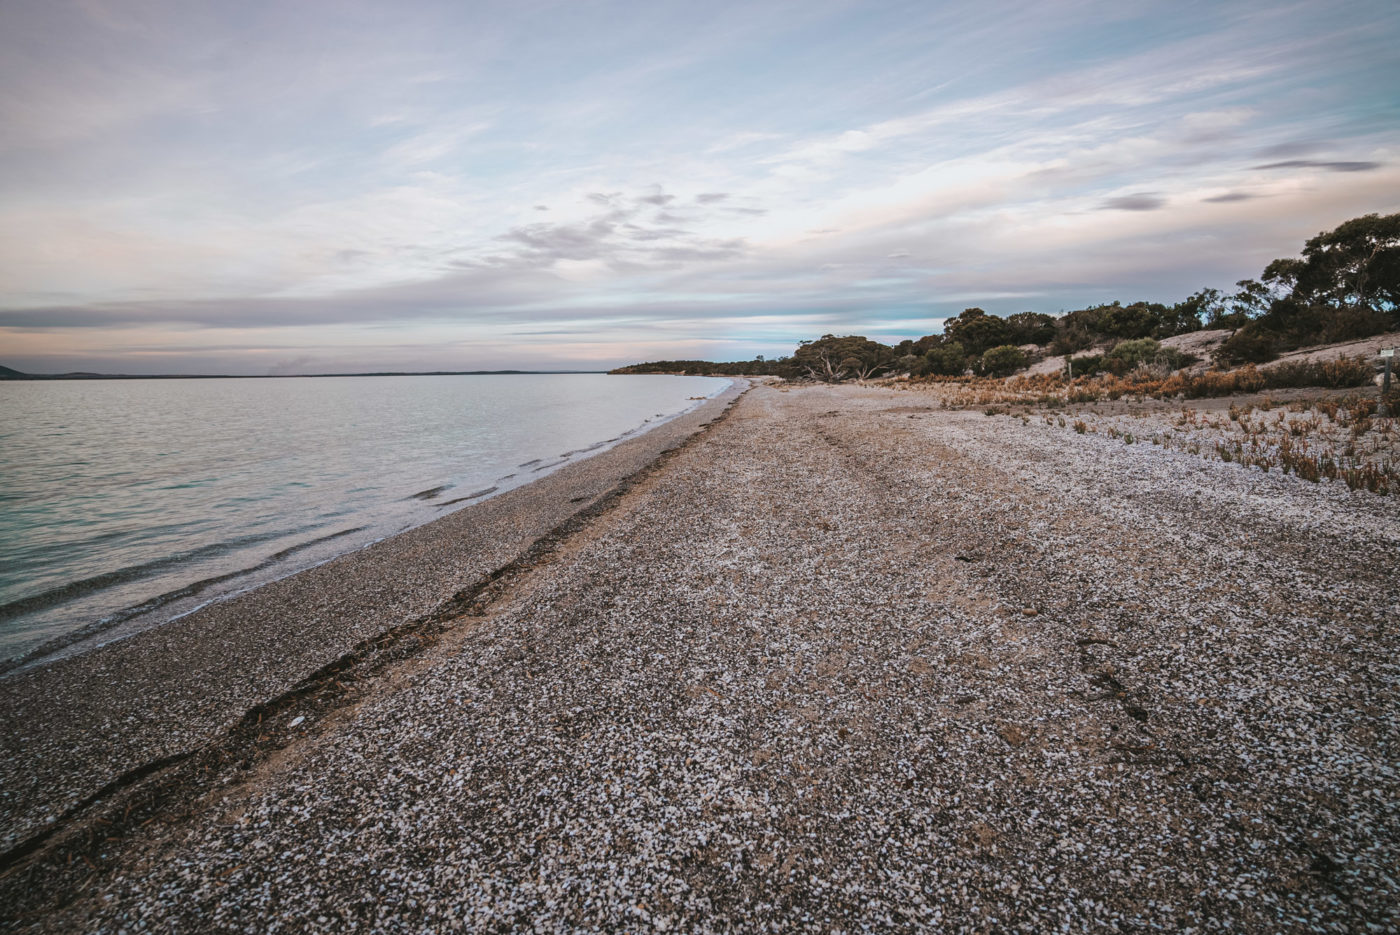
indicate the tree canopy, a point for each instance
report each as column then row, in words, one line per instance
column 1346, row 285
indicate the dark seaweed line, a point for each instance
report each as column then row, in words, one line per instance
column 177, row 780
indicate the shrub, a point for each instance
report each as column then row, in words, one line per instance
column 1351, row 324
column 949, row 360
column 1132, row 353
column 1145, row 352
column 1250, row 345
column 1003, row 361
column 1085, row 366
column 1336, row 373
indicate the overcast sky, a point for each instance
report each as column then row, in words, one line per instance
column 336, row 185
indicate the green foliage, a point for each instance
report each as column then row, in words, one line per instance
column 909, row 363
column 1077, row 330
column 1002, row 361
column 1132, row 353
column 756, row 367
column 1247, row 346
column 833, row 359
column 948, row 359
column 1336, row 373
column 977, row 331
column 1031, row 328
column 1345, row 286
column 1191, row 314
column 1087, row 365
column 1357, row 264
column 1133, row 321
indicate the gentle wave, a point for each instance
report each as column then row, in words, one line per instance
column 164, row 481
column 192, row 589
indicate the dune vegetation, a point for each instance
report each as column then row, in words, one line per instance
column 1345, row 286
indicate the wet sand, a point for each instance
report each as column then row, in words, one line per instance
column 844, row 662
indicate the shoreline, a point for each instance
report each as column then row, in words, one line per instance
column 173, row 600
column 80, row 726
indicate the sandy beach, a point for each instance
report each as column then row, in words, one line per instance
column 832, row 659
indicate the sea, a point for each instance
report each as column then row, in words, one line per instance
column 127, row 503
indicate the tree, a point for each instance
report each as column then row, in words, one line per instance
column 1078, row 329
column 909, row 363
column 1031, row 328
column 1132, row 321
column 1346, row 285
column 1190, row 313
column 1355, row 265
column 976, row 330
column 832, row 359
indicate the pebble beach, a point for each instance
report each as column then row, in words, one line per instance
column 809, row 658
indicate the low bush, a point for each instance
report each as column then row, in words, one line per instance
column 1085, row 366
column 1003, row 361
column 1336, row 373
column 948, row 360
column 1249, row 345
column 1132, row 353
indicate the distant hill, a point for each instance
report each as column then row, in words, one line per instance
column 10, row 373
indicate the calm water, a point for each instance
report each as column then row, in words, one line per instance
column 123, row 503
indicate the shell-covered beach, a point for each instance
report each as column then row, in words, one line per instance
column 831, row 659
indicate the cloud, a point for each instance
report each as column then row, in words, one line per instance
column 629, row 236
column 399, row 181
column 1329, row 166
column 1291, row 148
column 708, row 250
column 654, row 233
column 658, row 198
column 549, row 242
column 1142, row 201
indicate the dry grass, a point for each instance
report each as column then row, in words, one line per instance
column 1339, row 437
column 1147, row 382
column 1335, row 439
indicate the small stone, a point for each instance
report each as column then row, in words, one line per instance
column 1013, row 734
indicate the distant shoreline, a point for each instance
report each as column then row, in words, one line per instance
column 7, row 373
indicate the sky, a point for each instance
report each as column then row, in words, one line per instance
column 336, row 185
